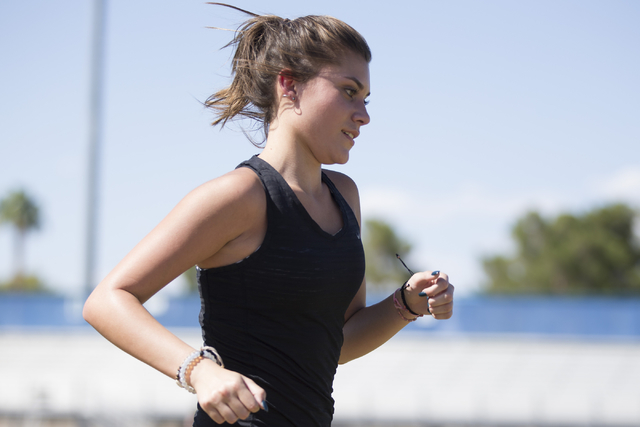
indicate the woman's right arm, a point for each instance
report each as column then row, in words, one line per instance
column 205, row 226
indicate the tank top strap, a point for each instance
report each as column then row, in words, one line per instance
column 275, row 185
column 282, row 201
column 348, row 215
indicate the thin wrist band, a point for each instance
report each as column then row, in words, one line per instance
column 404, row 300
column 400, row 308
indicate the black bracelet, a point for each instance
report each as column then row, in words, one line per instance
column 404, row 300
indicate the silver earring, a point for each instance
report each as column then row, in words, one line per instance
column 284, row 95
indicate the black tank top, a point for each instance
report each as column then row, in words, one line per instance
column 277, row 315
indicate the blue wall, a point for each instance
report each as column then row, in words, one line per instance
column 581, row 317
column 586, row 317
column 50, row 311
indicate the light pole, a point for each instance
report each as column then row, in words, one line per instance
column 95, row 141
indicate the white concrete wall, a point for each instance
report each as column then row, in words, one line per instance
column 494, row 381
column 413, row 378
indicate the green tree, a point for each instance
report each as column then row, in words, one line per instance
column 191, row 279
column 595, row 253
column 29, row 283
column 381, row 244
column 21, row 212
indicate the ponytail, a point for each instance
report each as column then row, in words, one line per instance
column 267, row 44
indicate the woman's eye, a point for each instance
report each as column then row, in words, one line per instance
column 353, row 92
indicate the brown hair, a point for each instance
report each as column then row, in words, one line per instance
column 267, row 44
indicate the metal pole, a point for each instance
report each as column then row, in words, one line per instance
column 95, row 140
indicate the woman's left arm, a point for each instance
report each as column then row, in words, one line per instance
column 367, row 328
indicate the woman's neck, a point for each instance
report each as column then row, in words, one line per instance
column 294, row 162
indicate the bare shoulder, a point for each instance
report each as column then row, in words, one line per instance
column 347, row 187
column 241, row 185
column 238, row 194
column 218, row 211
column 198, row 228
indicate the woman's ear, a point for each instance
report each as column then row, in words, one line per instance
column 286, row 84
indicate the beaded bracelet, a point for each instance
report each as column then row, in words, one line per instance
column 180, row 380
column 211, row 354
column 400, row 308
column 187, row 374
column 184, row 371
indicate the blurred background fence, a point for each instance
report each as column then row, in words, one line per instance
column 596, row 317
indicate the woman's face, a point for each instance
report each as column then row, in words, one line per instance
column 332, row 108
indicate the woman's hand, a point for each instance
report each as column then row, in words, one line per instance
column 225, row 395
column 430, row 292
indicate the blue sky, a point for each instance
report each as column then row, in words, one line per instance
column 481, row 110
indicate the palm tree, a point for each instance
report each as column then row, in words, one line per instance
column 19, row 210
